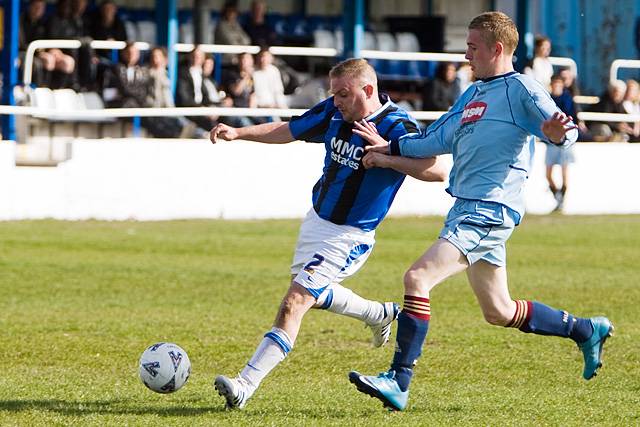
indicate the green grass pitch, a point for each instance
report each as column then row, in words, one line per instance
column 80, row 301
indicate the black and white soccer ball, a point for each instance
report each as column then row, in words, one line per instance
column 164, row 367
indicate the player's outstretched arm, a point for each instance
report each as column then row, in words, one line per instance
column 269, row 133
column 427, row 169
column 557, row 126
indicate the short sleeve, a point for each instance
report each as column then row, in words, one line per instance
column 312, row 125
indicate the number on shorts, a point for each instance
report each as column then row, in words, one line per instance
column 317, row 260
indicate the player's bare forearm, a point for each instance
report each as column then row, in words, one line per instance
column 270, row 133
column 427, row 169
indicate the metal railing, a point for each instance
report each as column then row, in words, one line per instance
column 67, row 44
column 252, row 112
column 621, row 63
column 264, row 112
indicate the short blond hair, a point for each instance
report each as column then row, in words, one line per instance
column 497, row 27
column 355, row 68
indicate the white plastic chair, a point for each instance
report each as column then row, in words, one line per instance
column 370, row 42
column 407, row 42
column 147, row 32
column 66, row 100
column 93, row 101
column 132, row 31
column 186, row 33
column 386, row 42
column 324, row 39
column 338, row 35
column 42, row 97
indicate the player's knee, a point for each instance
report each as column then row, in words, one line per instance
column 416, row 282
column 295, row 304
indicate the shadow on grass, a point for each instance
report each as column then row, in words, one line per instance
column 115, row 407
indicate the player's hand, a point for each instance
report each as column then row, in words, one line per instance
column 224, row 132
column 557, row 126
column 374, row 160
column 367, row 131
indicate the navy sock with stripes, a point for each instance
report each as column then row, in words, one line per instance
column 537, row 318
column 413, row 324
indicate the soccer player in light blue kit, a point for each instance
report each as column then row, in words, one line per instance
column 349, row 201
column 490, row 133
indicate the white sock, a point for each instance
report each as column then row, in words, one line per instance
column 340, row 300
column 274, row 347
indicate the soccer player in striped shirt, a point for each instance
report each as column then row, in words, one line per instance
column 349, row 201
column 490, row 133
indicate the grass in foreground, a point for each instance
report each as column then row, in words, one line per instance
column 81, row 300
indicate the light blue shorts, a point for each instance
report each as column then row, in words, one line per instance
column 558, row 155
column 480, row 230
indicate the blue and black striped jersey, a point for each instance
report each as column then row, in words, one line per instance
column 347, row 193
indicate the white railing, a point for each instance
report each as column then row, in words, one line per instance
column 54, row 114
column 67, row 44
column 265, row 112
column 565, row 62
column 621, row 63
column 232, row 49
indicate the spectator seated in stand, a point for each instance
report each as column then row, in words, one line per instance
column 611, row 102
column 442, row 92
column 196, row 89
column 570, row 82
column 229, row 31
column 257, row 28
column 267, row 81
column 160, row 96
column 106, row 25
column 631, row 105
column 53, row 68
column 465, row 76
column 130, row 82
column 240, row 88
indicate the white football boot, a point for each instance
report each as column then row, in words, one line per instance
column 235, row 390
column 381, row 331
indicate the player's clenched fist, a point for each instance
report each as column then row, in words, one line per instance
column 373, row 159
column 224, row 132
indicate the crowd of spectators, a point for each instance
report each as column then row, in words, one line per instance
column 132, row 79
column 620, row 97
column 130, row 82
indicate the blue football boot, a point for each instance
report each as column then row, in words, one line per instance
column 383, row 387
column 592, row 348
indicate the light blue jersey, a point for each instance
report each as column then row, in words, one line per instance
column 490, row 133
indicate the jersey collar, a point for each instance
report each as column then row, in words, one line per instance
column 385, row 101
column 488, row 79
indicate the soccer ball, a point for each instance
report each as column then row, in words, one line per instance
column 164, row 367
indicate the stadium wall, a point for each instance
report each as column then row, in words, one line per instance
column 160, row 180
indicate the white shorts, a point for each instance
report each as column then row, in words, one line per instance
column 328, row 253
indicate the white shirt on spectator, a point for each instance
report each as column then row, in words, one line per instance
column 196, row 75
column 631, row 107
column 268, row 87
column 131, row 72
column 541, row 70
